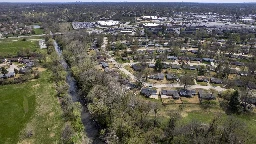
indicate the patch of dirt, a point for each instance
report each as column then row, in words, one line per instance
column 37, row 85
column 40, row 69
column 52, row 134
column 192, row 108
column 27, row 141
column 51, row 114
column 183, row 114
column 193, row 100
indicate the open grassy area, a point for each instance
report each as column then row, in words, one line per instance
column 39, row 31
column 202, row 83
column 30, row 112
column 17, row 105
column 10, row 48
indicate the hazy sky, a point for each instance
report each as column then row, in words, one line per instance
column 204, row 1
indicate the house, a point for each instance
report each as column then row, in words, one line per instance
column 176, row 67
column 189, row 67
column 106, row 70
column 2, row 60
column 251, row 85
column 208, row 60
column 131, row 86
column 159, row 76
column 151, row 65
column 170, row 93
column 172, row 77
column 137, row 67
column 13, row 59
column 195, row 59
column 237, row 63
column 2, row 76
column 172, row 58
column 194, row 51
column 205, row 96
column 216, row 81
column 233, row 71
column 165, row 66
column 10, row 74
column 24, row 70
column 192, row 67
column 160, row 50
column 30, row 64
column 104, row 65
column 147, row 92
column 250, row 100
column 25, row 61
column 201, row 79
column 186, row 93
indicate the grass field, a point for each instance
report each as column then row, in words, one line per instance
column 39, row 31
column 10, row 48
column 17, row 105
column 30, row 108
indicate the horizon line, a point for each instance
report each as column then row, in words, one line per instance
column 137, row 2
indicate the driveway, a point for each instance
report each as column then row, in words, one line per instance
column 11, row 68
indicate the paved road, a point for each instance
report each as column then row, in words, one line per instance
column 175, row 62
column 218, row 88
column 30, row 36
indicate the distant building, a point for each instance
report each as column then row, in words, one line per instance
column 42, row 44
column 108, row 23
column 36, row 27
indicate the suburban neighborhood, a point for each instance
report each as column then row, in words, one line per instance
column 161, row 64
column 127, row 72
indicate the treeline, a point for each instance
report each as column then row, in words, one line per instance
column 73, row 131
column 124, row 117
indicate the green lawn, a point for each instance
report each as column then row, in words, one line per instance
column 17, row 105
column 30, row 107
column 12, row 47
column 39, row 31
column 199, row 116
column 202, row 83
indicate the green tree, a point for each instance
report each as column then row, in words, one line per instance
column 202, row 70
column 158, row 65
column 146, row 72
column 234, row 103
column 187, row 80
column 16, row 71
column 4, row 71
column 175, row 51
